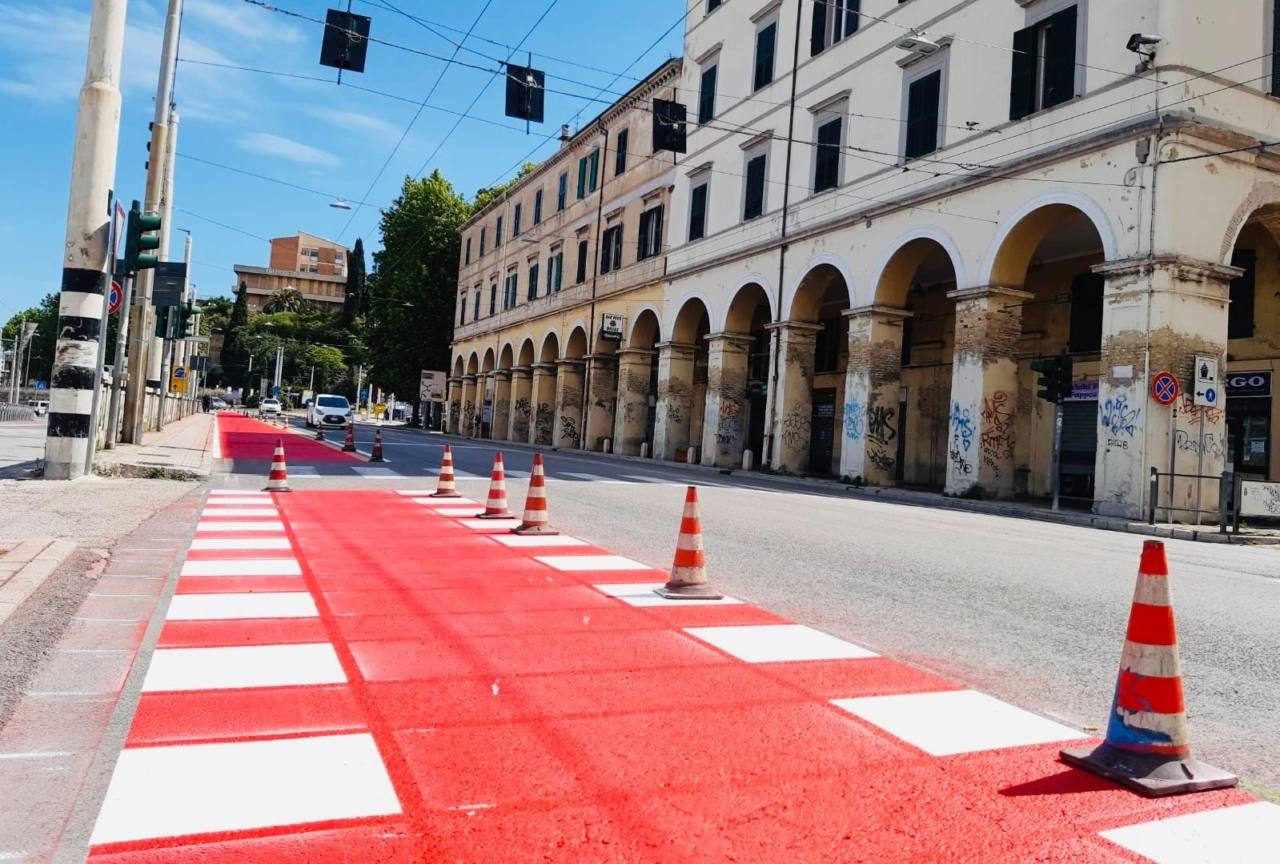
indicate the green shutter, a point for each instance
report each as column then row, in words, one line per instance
column 595, row 167
column 582, row 177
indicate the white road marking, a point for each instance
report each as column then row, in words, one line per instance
column 641, row 594
column 243, row 666
column 200, row 788
column 264, row 525
column 592, row 478
column 445, row 502
column 238, row 544
column 535, row 541
column 304, row 471
column 578, row 563
column 217, row 607
column 778, row 643
column 232, row 501
column 412, row 492
column 490, row 524
column 239, row 492
column 374, row 472
column 956, row 721
column 474, row 510
column 243, row 567
column 238, row 512
column 641, row 478
column 1246, row 832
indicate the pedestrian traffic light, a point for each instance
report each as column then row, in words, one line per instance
column 1055, row 374
column 141, row 238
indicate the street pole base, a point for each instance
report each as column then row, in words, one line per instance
column 535, row 531
column 688, row 591
column 444, row 495
column 1150, row 774
column 502, row 515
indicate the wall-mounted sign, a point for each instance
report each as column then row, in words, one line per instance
column 431, row 386
column 1083, row 391
column 1207, row 392
column 1164, row 388
column 611, row 327
column 1245, row 385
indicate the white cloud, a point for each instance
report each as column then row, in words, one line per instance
column 243, row 21
column 268, row 144
column 354, row 121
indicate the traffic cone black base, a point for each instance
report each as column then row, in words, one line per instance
column 681, row 591
column 376, row 454
column 1151, row 774
column 535, row 531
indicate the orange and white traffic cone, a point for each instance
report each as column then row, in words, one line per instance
column 319, row 432
column 689, row 570
column 1147, row 747
column 535, row 504
column 376, row 454
column 278, row 479
column 496, row 506
column 445, row 486
column 349, row 446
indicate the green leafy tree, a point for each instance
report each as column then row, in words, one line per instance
column 287, row 299
column 356, row 301
column 411, row 292
column 234, row 357
column 215, row 314
column 43, row 343
column 487, row 195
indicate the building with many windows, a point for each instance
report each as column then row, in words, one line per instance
column 548, row 270
column 888, row 211
column 311, row 265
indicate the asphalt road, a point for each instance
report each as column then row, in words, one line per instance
column 21, row 446
column 1032, row 612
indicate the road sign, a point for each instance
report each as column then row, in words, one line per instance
column 1164, row 388
column 1207, row 390
column 611, row 327
column 431, row 386
column 115, row 297
column 42, row 385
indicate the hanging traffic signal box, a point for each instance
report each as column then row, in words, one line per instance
column 141, row 240
column 526, row 93
column 1054, row 381
column 345, row 41
column 669, row 126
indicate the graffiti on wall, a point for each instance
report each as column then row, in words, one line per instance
column 795, row 428
column 568, row 430
column 997, row 430
column 543, row 419
column 729, row 426
column 961, row 422
column 1211, row 446
column 882, row 424
column 1118, row 418
column 855, row 419
column 1191, row 411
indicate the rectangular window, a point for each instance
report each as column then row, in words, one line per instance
column 753, row 199
column 537, row 207
column 562, row 192
column 493, row 298
column 923, row 97
column 611, row 249
column 1085, row 334
column 833, row 20
column 462, row 309
column 581, row 275
column 1240, row 312
column 513, row 289
column 475, row 307
column 826, row 168
column 483, row 233
column 766, row 40
column 650, row 244
column 698, row 211
column 1044, row 65
column 515, row 222
column 467, row 258
column 582, row 177
column 620, row 156
column 595, row 169
column 497, row 233
column 707, row 95
column 555, row 271
column 533, row 282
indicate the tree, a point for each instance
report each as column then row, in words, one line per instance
column 356, row 300
column 215, row 314
column 234, row 358
column 487, row 195
column 411, row 292
column 287, row 299
column 42, row 345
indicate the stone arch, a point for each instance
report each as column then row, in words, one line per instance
column 488, row 363
column 823, row 266
column 1263, row 201
column 506, row 356
column 692, row 319
column 1020, row 236
column 527, row 356
column 646, row 329
column 675, row 311
column 576, row 346
column 473, row 364
column 458, row 369
column 758, row 280
column 550, row 350
column 742, row 308
column 907, row 253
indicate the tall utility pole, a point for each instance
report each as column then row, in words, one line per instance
column 86, row 257
column 166, row 369
column 142, row 325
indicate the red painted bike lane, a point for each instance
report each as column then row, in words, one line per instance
column 372, row 676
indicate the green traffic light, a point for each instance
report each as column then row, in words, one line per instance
column 141, row 237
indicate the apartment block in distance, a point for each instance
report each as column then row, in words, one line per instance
column 311, row 265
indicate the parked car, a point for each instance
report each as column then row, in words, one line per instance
column 217, row 403
column 269, row 406
column 40, row 406
column 328, row 410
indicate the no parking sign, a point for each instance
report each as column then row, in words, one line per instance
column 1164, row 388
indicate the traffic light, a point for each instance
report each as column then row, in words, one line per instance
column 669, row 126
column 1055, row 374
column 166, row 322
column 187, row 324
column 141, row 239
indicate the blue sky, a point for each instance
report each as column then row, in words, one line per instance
column 316, row 135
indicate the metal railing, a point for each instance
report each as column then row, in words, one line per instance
column 1228, row 497
column 16, row 413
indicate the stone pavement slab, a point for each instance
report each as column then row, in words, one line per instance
column 182, row 450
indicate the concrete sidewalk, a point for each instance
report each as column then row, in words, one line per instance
column 183, row 450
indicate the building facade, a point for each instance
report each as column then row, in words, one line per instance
column 887, row 211
column 549, row 270
column 313, row 266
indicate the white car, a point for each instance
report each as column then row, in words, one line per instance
column 328, row 410
column 269, row 406
column 40, row 406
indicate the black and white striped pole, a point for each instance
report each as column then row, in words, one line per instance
column 86, row 257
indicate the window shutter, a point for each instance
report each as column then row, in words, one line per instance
column 563, row 192
column 595, row 168
column 533, row 282
column 764, row 55
column 655, row 230
column 617, row 247
column 1240, row 312
column 698, row 213
column 515, row 221
column 851, row 17
column 818, row 29
column 707, row 95
column 620, row 158
column 646, row 219
column 826, row 173
column 922, row 115
column 582, row 262
column 582, row 177
column 537, row 207
column 1060, row 58
column 754, row 204
column 559, row 269
column 1022, row 84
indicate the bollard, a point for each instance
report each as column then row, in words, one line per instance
column 748, row 460
column 644, row 450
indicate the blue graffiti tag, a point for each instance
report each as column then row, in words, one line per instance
column 961, row 427
column 1117, row 417
column 855, row 419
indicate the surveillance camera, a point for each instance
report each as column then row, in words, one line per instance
column 1139, row 40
